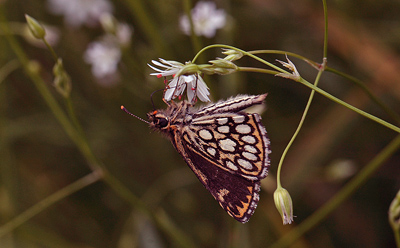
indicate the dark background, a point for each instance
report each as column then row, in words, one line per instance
column 37, row 158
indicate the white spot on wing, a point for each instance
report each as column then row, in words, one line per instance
column 231, row 165
column 239, row 119
column 250, row 148
column 211, row 151
column 222, row 121
column 249, row 156
column 223, row 129
column 205, row 134
column 243, row 129
column 227, row 145
column 249, row 139
column 245, row 164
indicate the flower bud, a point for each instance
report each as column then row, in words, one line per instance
column 223, row 63
column 35, row 27
column 62, row 81
column 232, row 54
column 295, row 75
column 108, row 23
column 188, row 69
column 283, row 203
column 394, row 214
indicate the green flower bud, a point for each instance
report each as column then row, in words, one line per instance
column 283, row 203
column 188, row 69
column 223, row 63
column 232, row 54
column 109, row 23
column 35, row 27
column 62, row 81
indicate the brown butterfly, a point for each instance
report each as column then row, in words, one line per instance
column 225, row 147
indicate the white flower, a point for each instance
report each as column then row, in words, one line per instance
column 206, row 19
column 196, row 87
column 104, row 57
column 124, row 33
column 121, row 31
column 79, row 12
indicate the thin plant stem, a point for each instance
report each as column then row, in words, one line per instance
column 258, row 70
column 316, row 65
column 323, row 212
column 8, row 68
column 147, row 24
column 311, row 86
column 53, row 53
column 303, row 117
column 357, row 110
column 50, row 200
column 196, row 41
column 378, row 102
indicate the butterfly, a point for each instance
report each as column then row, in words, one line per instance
column 227, row 148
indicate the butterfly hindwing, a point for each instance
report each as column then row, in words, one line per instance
column 236, row 195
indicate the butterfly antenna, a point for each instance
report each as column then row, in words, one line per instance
column 151, row 97
column 124, row 109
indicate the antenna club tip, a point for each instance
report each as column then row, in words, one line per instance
column 122, row 107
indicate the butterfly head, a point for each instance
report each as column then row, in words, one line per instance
column 158, row 120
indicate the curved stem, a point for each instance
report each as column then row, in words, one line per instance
column 303, row 117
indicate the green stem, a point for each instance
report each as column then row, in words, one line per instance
column 53, row 53
column 310, row 98
column 360, row 84
column 47, row 96
column 311, row 86
column 359, row 111
column 49, row 201
column 318, row 216
column 146, row 22
column 196, row 42
column 258, row 70
column 8, row 68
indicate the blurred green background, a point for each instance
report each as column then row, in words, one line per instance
column 37, row 158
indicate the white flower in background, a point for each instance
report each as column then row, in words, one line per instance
column 80, row 12
column 104, row 57
column 196, row 87
column 122, row 32
column 206, row 19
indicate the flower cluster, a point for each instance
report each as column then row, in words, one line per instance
column 80, row 12
column 105, row 54
column 206, row 19
column 183, row 76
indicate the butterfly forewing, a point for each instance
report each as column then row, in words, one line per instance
column 226, row 148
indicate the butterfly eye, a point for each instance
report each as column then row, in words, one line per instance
column 162, row 122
